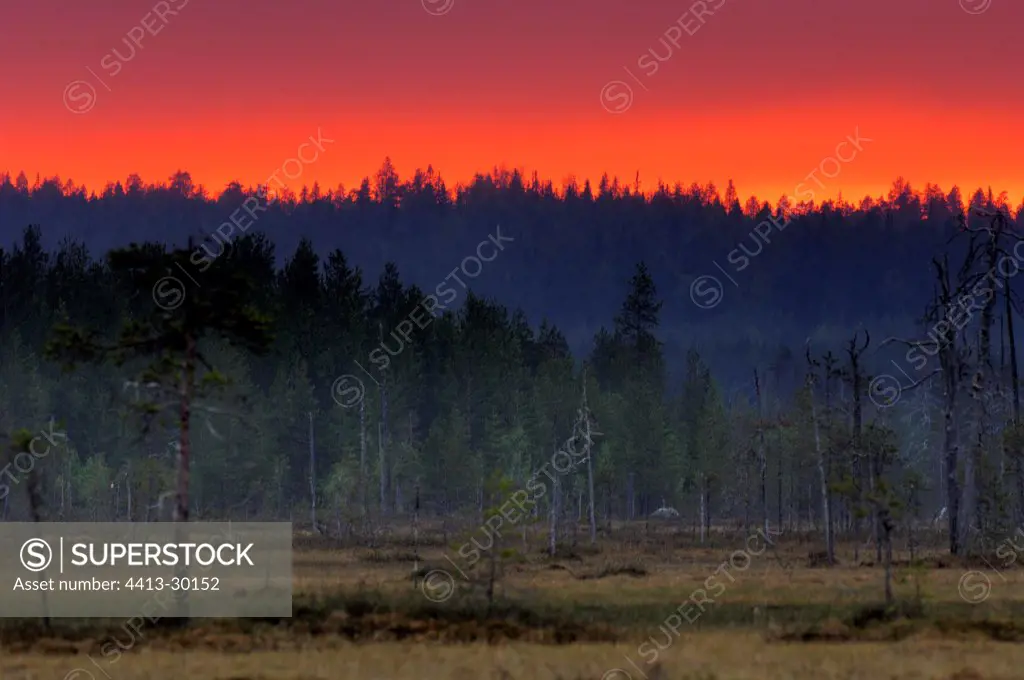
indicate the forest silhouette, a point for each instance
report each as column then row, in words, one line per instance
column 276, row 317
column 833, row 267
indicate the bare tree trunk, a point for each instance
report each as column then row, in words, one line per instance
column 553, row 530
column 951, row 447
column 64, row 488
column 608, row 508
column 184, row 420
column 312, row 477
column 492, row 555
column 416, row 531
column 630, row 497
column 987, row 371
column 887, row 527
column 762, row 454
column 981, row 383
column 812, row 520
column 181, row 510
column 856, row 379
column 526, row 544
column 1015, row 453
column 793, row 509
column 707, row 506
column 128, row 486
column 590, row 463
column 703, row 508
column 949, row 358
column 362, row 455
column 35, row 504
column 381, row 437
column 778, row 490
column 874, row 516
column 826, row 494
column 746, row 501
column 998, row 377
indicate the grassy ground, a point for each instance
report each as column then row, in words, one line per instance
column 703, row 656
column 629, row 604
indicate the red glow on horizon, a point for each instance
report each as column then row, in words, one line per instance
column 761, row 94
column 501, row 178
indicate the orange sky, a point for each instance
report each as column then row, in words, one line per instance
column 760, row 92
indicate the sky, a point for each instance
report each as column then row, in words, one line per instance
column 758, row 91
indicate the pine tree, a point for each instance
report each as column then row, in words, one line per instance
column 167, row 337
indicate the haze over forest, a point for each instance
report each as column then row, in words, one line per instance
column 676, row 294
column 833, row 267
column 513, row 319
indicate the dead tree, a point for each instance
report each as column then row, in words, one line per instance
column 824, row 462
column 944, row 342
column 312, row 477
column 881, row 498
column 762, row 452
column 854, row 375
column 1014, row 452
column 363, row 482
column 553, row 517
column 996, row 231
column 588, row 434
column 983, row 381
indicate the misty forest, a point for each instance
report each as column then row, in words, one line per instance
column 859, row 379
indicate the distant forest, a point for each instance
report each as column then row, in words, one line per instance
column 765, row 406
column 836, row 266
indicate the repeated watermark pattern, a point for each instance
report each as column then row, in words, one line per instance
column 349, row 390
column 693, row 607
column 438, row 585
column 437, row 8
column 80, row 95
column 975, row 6
column 92, row 569
column 975, row 586
column 707, row 291
column 113, row 647
column 617, row 95
column 24, row 462
column 886, row 389
column 169, row 292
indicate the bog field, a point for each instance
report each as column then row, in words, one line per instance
column 645, row 603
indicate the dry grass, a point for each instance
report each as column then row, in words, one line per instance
column 358, row 616
column 735, row 656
